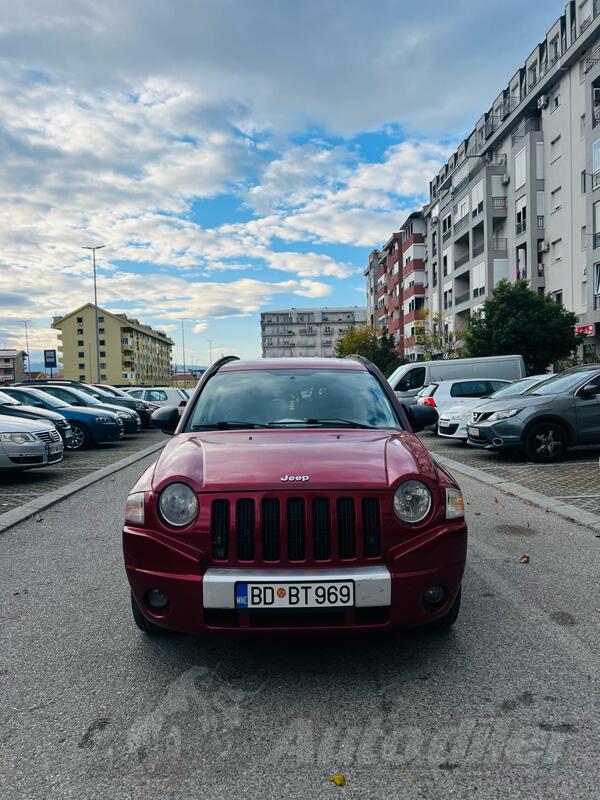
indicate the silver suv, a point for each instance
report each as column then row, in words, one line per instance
column 552, row 416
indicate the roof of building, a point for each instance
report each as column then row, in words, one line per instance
column 322, row 309
column 126, row 321
column 12, row 353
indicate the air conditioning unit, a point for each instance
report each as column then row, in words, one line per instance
column 597, row 97
column 505, row 180
column 543, row 247
column 543, row 101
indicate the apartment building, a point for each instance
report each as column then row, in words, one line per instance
column 130, row 352
column 520, row 198
column 12, row 366
column 307, row 332
column 396, row 280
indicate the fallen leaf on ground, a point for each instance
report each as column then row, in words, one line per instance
column 496, row 500
column 524, row 560
column 409, row 777
column 338, row 779
column 477, row 513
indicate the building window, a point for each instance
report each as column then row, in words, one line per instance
column 583, row 237
column 79, row 331
column 102, row 342
column 520, row 168
column 80, row 343
column 556, row 199
column 82, row 355
column 100, row 330
column 582, row 126
column 102, row 354
column 100, row 319
column 583, row 182
column 597, row 279
column 79, row 319
column 82, row 366
column 558, row 297
column 555, row 101
column 81, row 377
column 102, row 366
column 555, row 148
column 557, row 250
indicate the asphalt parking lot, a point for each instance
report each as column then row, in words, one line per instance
column 576, row 480
column 19, row 487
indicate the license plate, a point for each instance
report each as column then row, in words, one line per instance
column 473, row 432
column 53, row 449
column 318, row 594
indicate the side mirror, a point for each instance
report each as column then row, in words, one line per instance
column 166, row 419
column 589, row 391
column 420, row 417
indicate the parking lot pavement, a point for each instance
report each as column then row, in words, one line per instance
column 576, row 480
column 17, row 487
column 504, row 705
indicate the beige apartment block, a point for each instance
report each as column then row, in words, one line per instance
column 130, row 352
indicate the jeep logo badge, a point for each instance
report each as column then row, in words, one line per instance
column 294, row 478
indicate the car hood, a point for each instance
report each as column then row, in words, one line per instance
column 258, row 460
column 517, row 401
column 22, row 425
column 465, row 405
column 39, row 413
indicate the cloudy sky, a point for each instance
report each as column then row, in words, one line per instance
column 233, row 155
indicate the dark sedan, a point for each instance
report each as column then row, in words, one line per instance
column 13, row 408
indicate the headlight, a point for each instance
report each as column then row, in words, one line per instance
column 123, row 414
column 134, row 509
column 412, row 501
column 455, row 505
column 498, row 415
column 178, row 505
column 17, row 438
column 105, row 420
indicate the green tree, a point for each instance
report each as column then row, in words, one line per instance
column 518, row 320
column 435, row 342
column 363, row 341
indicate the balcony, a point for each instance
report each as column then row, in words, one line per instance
column 478, row 250
column 500, row 244
column 585, row 24
column 540, row 221
column 596, row 179
column 540, row 270
column 529, row 125
column 596, row 241
column 499, row 202
column 448, row 303
column 459, row 262
column 462, row 223
column 596, row 302
column 447, row 235
column 461, row 185
column 462, row 298
column 596, row 118
column 521, row 228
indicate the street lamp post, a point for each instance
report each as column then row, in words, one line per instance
column 25, row 321
column 210, row 343
column 183, row 349
column 93, row 249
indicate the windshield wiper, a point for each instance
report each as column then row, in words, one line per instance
column 345, row 423
column 228, row 424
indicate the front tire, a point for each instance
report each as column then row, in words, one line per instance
column 81, row 438
column 149, row 628
column 546, row 443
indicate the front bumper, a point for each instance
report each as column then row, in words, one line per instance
column 28, row 455
column 107, row 433
column 452, row 429
column 388, row 594
column 503, row 435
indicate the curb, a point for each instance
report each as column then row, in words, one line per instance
column 32, row 507
column 565, row 510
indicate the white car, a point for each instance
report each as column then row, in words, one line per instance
column 453, row 423
column 28, row 443
column 160, row 395
column 445, row 396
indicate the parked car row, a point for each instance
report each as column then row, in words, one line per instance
column 542, row 415
column 40, row 420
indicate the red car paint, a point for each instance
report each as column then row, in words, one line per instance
column 342, row 463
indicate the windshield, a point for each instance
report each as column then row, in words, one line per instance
column 85, row 398
column 49, row 399
column 6, row 400
column 294, row 397
column 518, row 387
column 560, row 383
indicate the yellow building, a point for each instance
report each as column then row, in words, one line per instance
column 130, row 352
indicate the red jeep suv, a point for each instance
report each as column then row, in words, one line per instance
column 294, row 495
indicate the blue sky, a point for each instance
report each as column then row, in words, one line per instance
column 232, row 156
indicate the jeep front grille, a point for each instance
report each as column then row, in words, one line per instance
column 295, row 529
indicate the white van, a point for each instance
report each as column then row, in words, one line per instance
column 409, row 379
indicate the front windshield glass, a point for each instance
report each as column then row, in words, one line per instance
column 518, row 387
column 55, row 402
column 6, row 400
column 85, row 398
column 293, row 397
column 560, row 383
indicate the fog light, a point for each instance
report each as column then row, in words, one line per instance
column 157, row 599
column 434, row 595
